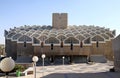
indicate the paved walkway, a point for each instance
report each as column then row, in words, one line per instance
column 97, row 70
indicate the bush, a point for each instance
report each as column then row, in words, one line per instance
column 19, row 67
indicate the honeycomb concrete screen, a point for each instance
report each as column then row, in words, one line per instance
column 75, row 42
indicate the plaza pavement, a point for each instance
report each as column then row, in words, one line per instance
column 82, row 70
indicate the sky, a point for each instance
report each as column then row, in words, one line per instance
column 16, row 13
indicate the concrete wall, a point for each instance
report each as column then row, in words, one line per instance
column 25, row 51
column 59, row 21
column 15, row 49
column 11, row 49
column 103, row 49
column 116, row 50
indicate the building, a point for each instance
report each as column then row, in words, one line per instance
column 73, row 42
column 116, row 50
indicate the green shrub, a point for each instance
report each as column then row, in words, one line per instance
column 19, row 67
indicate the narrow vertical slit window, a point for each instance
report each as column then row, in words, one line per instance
column 71, row 46
column 42, row 44
column 52, row 46
column 81, row 44
column 24, row 43
column 97, row 44
column 61, row 44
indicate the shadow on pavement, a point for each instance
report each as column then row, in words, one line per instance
column 84, row 75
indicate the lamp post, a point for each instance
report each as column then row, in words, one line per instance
column 35, row 59
column 43, row 57
column 7, row 65
column 63, row 59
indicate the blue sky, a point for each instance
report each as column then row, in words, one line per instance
column 15, row 13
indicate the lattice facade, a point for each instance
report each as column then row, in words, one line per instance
column 76, row 40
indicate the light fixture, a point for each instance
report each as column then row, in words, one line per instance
column 43, row 56
column 7, row 65
column 35, row 59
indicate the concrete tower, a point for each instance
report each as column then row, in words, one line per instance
column 59, row 20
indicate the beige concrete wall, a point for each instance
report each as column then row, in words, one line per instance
column 108, row 50
column 103, row 49
column 59, row 21
column 25, row 51
column 57, row 50
column 98, row 50
column 30, row 50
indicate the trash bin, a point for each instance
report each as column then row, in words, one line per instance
column 18, row 73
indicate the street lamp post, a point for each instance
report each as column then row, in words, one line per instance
column 7, row 65
column 43, row 57
column 35, row 59
column 63, row 59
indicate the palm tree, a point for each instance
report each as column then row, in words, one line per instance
column 2, row 49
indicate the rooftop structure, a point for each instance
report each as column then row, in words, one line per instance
column 84, row 33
